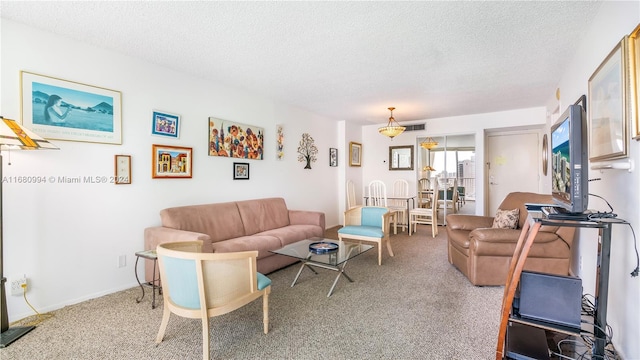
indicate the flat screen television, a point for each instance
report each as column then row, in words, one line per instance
column 569, row 163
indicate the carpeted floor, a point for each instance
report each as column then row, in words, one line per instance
column 415, row 306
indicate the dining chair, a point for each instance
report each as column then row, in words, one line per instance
column 424, row 215
column 377, row 194
column 351, row 195
column 399, row 206
column 448, row 197
column 424, row 193
column 200, row 285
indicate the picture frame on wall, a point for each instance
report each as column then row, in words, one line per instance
column 355, row 154
column 67, row 110
column 634, row 69
column 333, row 157
column 240, row 171
column 122, row 169
column 236, row 140
column 171, row 162
column 165, row 124
column 608, row 89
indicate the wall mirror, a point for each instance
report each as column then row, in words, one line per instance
column 401, row 157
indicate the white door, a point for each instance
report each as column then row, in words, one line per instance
column 512, row 165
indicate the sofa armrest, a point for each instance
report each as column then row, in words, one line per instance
column 160, row 234
column 303, row 217
column 468, row 222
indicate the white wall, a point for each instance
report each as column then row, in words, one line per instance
column 67, row 237
column 618, row 187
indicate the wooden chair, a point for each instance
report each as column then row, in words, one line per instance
column 400, row 189
column 426, row 216
column 368, row 223
column 377, row 194
column 351, row 195
column 424, row 193
column 449, row 198
column 200, row 285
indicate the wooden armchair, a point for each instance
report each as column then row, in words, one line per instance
column 200, row 285
column 368, row 223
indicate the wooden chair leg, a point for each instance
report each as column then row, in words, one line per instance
column 163, row 326
column 265, row 310
column 380, row 253
column 205, row 338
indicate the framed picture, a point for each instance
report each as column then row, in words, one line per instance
column 279, row 142
column 165, row 124
column 235, row 140
column 355, row 154
column 122, row 170
column 240, row 171
column 634, row 67
column 608, row 89
column 171, row 162
column 333, row 157
column 65, row 110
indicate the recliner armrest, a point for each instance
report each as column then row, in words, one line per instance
column 468, row 222
column 496, row 235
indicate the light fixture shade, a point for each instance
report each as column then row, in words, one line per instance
column 392, row 129
column 14, row 136
column 429, row 143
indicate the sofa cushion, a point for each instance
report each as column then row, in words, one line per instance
column 263, row 214
column 220, row 221
column 293, row 233
column 506, row 219
column 262, row 243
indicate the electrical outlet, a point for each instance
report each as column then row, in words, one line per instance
column 122, row 261
column 580, row 264
column 16, row 286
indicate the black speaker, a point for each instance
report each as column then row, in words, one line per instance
column 548, row 298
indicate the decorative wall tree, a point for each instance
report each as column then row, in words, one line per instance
column 307, row 150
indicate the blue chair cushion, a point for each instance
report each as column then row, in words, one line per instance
column 183, row 282
column 370, row 231
column 372, row 216
column 263, row 281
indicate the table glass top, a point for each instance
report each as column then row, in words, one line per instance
column 345, row 251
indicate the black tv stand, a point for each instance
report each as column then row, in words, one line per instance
column 529, row 231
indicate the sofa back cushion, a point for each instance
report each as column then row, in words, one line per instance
column 263, row 214
column 518, row 199
column 220, row 221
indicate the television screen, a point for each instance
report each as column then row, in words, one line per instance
column 569, row 162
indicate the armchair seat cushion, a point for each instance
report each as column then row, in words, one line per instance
column 370, row 231
column 263, row 281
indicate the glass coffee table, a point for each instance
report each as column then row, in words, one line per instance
column 323, row 256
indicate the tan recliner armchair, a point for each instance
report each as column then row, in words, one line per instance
column 483, row 253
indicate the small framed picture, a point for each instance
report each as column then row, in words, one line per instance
column 355, row 154
column 122, row 169
column 333, row 157
column 171, row 162
column 240, row 171
column 165, row 124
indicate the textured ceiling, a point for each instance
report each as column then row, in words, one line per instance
column 344, row 60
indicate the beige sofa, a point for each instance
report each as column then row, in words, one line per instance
column 483, row 253
column 261, row 224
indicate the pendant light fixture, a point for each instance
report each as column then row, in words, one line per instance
column 428, row 144
column 392, row 129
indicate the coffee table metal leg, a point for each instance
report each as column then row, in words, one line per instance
column 341, row 272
